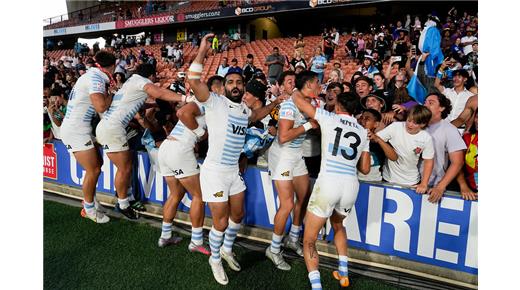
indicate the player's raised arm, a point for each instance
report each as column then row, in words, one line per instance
column 195, row 72
column 163, row 94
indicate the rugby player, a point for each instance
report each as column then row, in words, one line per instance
column 288, row 170
column 345, row 146
column 222, row 185
column 178, row 165
column 88, row 97
column 111, row 133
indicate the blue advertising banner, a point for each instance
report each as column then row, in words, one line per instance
column 385, row 219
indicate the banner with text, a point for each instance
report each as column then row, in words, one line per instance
column 385, row 219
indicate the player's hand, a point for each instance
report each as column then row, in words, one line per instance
column 281, row 98
column 205, row 45
column 420, row 188
column 314, row 124
column 435, row 194
column 468, row 194
column 372, row 136
column 424, row 56
column 272, row 130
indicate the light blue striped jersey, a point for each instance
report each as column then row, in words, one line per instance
column 80, row 110
column 184, row 134
column 288, row 111
column 342, row 141
column 227, row 124
column 256, row 139
column 126, row 102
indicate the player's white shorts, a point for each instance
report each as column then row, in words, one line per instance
column 177, row 159
column 283, row 166
column 75, row 141
column 332, row 193
column 112, row 139
column 218, row 185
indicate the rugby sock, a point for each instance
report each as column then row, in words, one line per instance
column 196, row 236
column 215, row 242
column 314, row 278
column 275, row 243
column 294, row 233
column 90, row 208
column 166, row 230
column 231, row 234
column 123, row 203
column 343, row 266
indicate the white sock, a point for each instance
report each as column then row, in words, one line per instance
column 275, row 243
column 314, row 278
column 215, row 242
column 196, row 236
column 294, row 233
column 166, row 230
column 90, row 208
column 231, row 234
column 123, row 203
column 343, row 265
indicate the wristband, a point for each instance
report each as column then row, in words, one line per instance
column 307, row 126
column 199, row 132
column 196, row 67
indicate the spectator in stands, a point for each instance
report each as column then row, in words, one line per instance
column 468, row 177
column 131, row 63
column 234, row 67
column 367, row 68
column 411, row 143
column 379, row 149
column 351, row 46
column 458, row 95
column 178, row 58
column 381, row 45
column 249, row 68
column 214, row 45
column 335, row 38
column 223, row 68
column 334, row 77
column 164, row 53
column 379, row 82
column 121, row 64
column 80, row 67
column 333, row 90
column 298, row 59
column 148, row 40
column 56, row 110
column 360, row 46
column 363, row 86
column 224, row 40
column 328, row 49
column 401, row 43
column 448, row 144
column 299, row 45
column 152, row 60
column 275, row 63
column 347, row 87
column 468, row 40
column 216, row 84
column 119, row 78
column 318, row 62
column 170, row 47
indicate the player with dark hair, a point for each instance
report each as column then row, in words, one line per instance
column 90, row 95
column 111, row 133
column 345, row 149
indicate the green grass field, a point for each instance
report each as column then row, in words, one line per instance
column 79, row 254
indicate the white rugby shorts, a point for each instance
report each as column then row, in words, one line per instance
column 75, row 141
column 331, row 193
column 286, row 165
column 177, row 159
column 219, row 185
column 112, row 139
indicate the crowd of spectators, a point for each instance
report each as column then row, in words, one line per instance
column 429, row 144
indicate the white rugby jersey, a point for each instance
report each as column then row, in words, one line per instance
column 126, row 102
column 184, row 134
column 288, row 111
column 342, row 141
column 227, row 124
column 80, row 110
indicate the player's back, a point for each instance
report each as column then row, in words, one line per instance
column 343, row 140
column 80, row 110
column 127, row 101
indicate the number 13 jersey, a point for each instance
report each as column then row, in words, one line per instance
column 342, row 141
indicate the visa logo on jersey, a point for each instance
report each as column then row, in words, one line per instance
column 239, row 130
